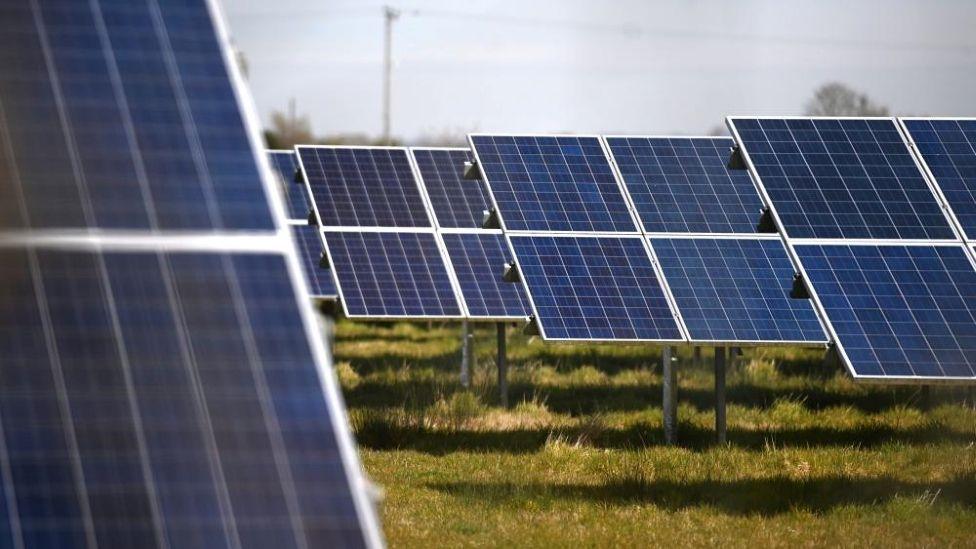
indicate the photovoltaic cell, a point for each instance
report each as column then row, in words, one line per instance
column 682, row 185
column 121, row 115
column 948, row 148
column 478, row 261
column 841, row 178
column 363, row 187
column 456, row 202
column 736, row 290
column 165, row 396
column 594, row 288
column 546, row 183
column 391, row 274
column 310, row 251
column 284, row 164
column 898, row 311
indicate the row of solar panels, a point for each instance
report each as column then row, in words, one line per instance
column 657, row 239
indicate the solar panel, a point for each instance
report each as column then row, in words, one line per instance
column 736, row 290
column 594, row 288
column 391, row 275
column 120, row 124
column 897, row 311
column 310, row 250
column 363, row 186
column 478, row 260
column 682, row 185
column 947, row 147
column 161, row 386
column 841, row 178
column 552, row 183
column 284, row 164
column 456, row 202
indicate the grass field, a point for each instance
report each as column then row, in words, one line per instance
column 812, row 459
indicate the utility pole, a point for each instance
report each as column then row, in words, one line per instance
column 389, row 16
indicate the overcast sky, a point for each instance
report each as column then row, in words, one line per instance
column 589, row 66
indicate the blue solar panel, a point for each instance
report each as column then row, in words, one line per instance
column 363, row 187
column 310, row 250
column 682, row 185
column 122, row 115
column 948, row 148
column 736, row 290
column 898, row 311
column 391, row 274
column 157, row 389
column 456, row 202
column 841, row 178
column 544, row 183
column 284, row 164
column 478, row 261
column 594, row 288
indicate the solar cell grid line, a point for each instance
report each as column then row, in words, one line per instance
column 946, row 149
column 363, row 186
column 840, row 178
column 477, row 258
column 310, row 249
column 897, row 312
column 455, row 201
column 391, row 274
column 594, row 288
column 682, row 185
column 110, row 122
column 284, row 164
column 736, row 290
column 552, row 183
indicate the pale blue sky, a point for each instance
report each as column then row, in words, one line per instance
column 613, row 66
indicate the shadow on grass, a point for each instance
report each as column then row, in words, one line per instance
column 587, row 399
column 765, row 497
column 386, row 436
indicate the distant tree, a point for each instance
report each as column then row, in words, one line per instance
column 289, row 129
column 836, row 99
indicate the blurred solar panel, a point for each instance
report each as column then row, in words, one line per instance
column 310, row 250
column 363, row 186
column 736, row 290
column 114, row 122
column 682, row 185
column 947, row 146
column 159, row 389
column 478, row 260
column 549, row 183
column 898, row 312
column 391, row 275
column 594, row 288
column 284, row 164
column 456, row 202
column 841, row 178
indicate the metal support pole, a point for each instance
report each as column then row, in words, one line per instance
column 735, row 356
column 697, row 359
column 466, row 338
column 720, row 428
column 502, row 366
column 670, row 399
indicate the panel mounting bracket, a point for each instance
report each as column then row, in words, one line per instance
column 490, row 220
column 312, row 220
column 799, row 290
column 531, row 327
column 472, row 171
column 511, row 273
column 298, row 177
column 766, row 223
column 736, row 160
column 329, row 307
column 324, row 261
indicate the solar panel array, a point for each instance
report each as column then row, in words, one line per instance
column 882, row 261
column 159, row 389
column 477, row 256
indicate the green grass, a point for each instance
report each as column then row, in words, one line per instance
column 812, row 459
